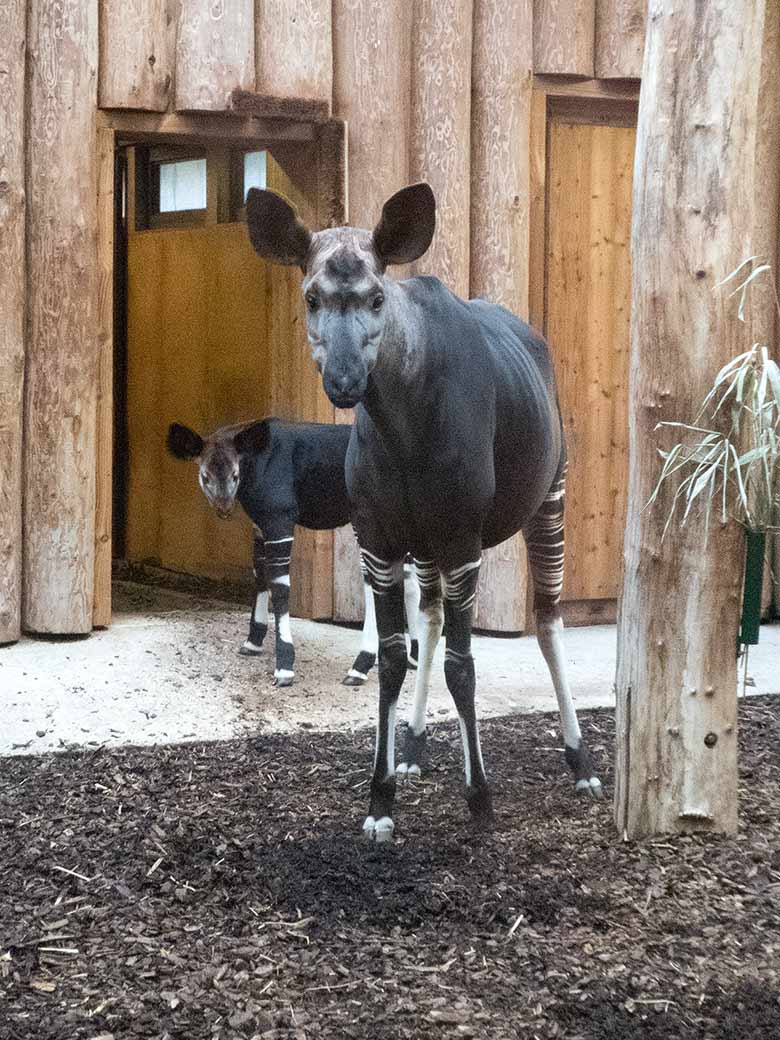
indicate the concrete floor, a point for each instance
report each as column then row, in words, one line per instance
column 167, row 670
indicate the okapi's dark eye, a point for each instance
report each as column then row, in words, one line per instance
column 312, row 302
column 376, row 303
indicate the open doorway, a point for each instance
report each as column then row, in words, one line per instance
column 206, row 333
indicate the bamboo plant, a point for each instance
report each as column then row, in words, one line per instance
column 736, row 473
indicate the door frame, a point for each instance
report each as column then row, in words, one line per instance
column 323, row 187
column 593, row 101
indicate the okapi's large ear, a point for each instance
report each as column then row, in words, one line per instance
column 252, row 439
column 184, row 443
column 407, row 224
column 275, row 230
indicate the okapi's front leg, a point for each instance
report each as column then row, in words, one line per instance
column 386, row 577
column 430, row 620
column 278, row 552
column 258, row 621
column 460, row 590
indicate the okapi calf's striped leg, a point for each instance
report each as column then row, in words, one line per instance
column 278, row 551
column 430, row 621
column 460, row 592
column 411, row 609
column 258, row 621
column 386, row 577
column 366, row 658
column 545, row 543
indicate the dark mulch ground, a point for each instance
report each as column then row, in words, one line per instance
column 222, row 891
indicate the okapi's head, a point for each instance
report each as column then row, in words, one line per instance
column 219, row 458
column 344, row 281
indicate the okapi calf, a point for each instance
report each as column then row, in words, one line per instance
column 457, row 445
column 283, row 474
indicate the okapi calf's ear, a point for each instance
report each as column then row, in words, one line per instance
column 406, row 226
column 253, row 439
column 184, row 443
column 275, row 229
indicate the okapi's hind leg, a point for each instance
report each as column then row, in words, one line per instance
column 545, row 543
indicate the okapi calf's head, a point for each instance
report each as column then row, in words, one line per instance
column 219, row 458
column 350, row 308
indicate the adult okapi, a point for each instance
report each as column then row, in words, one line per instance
column 457, row 445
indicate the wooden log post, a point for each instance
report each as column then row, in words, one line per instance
column 692, row 224
column 371, row 89
column 441, row 131
column 12, row 296
column 294, row 49
column 60, row 387
column 136, row 55
column 215, row 53
column 564, row 32
column 620, row 38
column 502, row 79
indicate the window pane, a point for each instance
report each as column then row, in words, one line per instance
column 254, row 171
column 182, row 185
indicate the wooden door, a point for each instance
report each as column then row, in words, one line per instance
column 587, row 298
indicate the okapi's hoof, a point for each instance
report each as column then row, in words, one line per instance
column 249, row 649
column 592, row 788
column 283, row 677
column 407, row 771
column 380, row 831
column 480, row 804
column 353, row 678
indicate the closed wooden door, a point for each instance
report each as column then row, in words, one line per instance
column 587, row 313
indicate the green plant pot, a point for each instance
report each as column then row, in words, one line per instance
column 750, row 622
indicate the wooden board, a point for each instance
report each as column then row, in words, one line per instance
column 620, row 38
column 564, row 32
column 136, row 55
column 294, row 49
column 215, row 53
column 12, row 302
column 104, row 424
column 61, row 375
column 441, row 131
column 500, row 134
column 587, row 323
column 371, row 91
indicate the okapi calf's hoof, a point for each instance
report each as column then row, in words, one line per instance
column 249, row 649
column 480, row 803
column 283, row 677
column 358, row 673
column 380, row 831
column 414, row 749
column 586, row 783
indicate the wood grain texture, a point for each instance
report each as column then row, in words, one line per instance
column 692, row 223
column 564, row 34
column 104, row 424
column 12, row 302
column 215, row 53
column 620, row 38
column 61, row 376
column 294, row 49
column 371, row 91
column 499, row 250
column 441, row 131
column 587, row 326
column 136, row 54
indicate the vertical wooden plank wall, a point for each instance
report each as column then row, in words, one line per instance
column 371, row 87
column 215, row 53
column 59, row 421
column 620, row 38
column 294, row 49
column 13, row 15
column 500, row 137
column 564, row 32
column 136, row 55
column 441, row 131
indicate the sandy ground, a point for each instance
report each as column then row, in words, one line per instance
column 168, row 671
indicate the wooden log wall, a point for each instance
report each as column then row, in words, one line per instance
column 137, row 54
column 620, row 38
column 12, row 301
column 294, row 49
column 215, row 53
column 61, row 374
column 564, row 37
column 692, row 224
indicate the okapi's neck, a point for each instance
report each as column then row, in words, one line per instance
column 397, row 383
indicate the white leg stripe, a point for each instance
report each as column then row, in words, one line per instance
column 283, row 579
column 261, row 608
column 279, row 541
column 550, row 639
column 370, row 638
column 431, row 621
column 284, row 628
